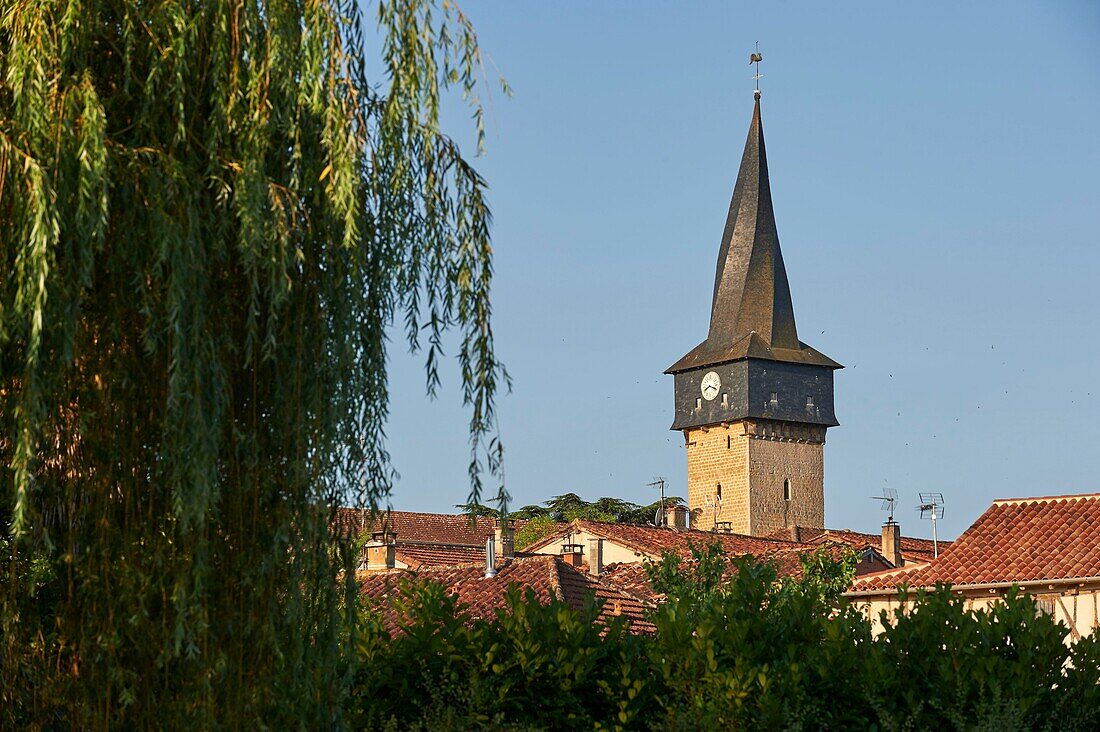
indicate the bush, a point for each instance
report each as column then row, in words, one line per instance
column 752, row 652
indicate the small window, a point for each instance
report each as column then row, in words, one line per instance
column 775, row 397
column 787, row 489
column 810, row 402
column 729, row 442
column 718, row 491
column 725, row 400
column 698, row 404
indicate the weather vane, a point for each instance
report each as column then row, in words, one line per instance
column 755, row 58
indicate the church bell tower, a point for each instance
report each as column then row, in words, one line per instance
column 752, row 400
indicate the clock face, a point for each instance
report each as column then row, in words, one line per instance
column 710, row 386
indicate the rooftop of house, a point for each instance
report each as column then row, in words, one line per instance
column 419, row 554
column 912, row 548
column 652, row 541
column 1017, row 540
column 546, row 575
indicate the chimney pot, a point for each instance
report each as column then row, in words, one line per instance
column 382, row 550
column 595, row 556
column 490, row 558
column 677, row 517
column 573, row 554
column 891, row 543
column 505, row 536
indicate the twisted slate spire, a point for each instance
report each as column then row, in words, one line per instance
column 751, row 312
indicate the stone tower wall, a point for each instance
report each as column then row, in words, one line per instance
column 751, row 460
column 718, row 454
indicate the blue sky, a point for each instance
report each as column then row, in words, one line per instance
column 935, row 170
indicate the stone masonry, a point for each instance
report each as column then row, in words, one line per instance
column 752, row 460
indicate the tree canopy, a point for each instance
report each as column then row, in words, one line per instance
column 569, row 506
column 210, row 217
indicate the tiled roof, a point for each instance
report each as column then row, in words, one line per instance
column 652, row 541
column 630, row 577
column 444, row 528
column 912, row 548
column 547, row 575
column 417, row 555
column 434, row 554
column 1016, row 540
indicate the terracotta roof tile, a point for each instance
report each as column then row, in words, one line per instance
column 630, row 577
column 652, row 541
column 418, row 555
column 912, row 548
column 546, row 575
column 1016, row 540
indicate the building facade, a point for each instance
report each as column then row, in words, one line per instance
column 1047, row 547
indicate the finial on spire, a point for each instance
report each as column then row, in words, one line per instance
column 755, row 58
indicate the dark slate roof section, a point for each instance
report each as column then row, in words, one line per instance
column 751, row 312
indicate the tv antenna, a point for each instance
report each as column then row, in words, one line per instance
column 755, row 58
column 889, row 499
column 661, row 519
column 931, row 507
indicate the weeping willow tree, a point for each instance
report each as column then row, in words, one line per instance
column 210, row 217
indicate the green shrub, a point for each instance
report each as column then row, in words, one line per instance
column 748, row 651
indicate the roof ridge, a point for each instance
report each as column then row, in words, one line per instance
column 556, row 567
column 427, row 542
column 688, row 531
column 883, row 573
column 507, row 561
column 1045, row 499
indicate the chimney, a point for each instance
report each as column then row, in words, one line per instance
column 796, row 532
column 382, row 550
column 891, row 543
column 490, row 558
column 676, row 517
column 572, row 554
column 595, row 556
column 504, row 534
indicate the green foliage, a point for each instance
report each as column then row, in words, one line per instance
column 570, row 506
column 825, row 577
column 1004, row 669
column 689, row 585
column 209, row 219
column 474, row 509
column 535, row 529
column 532, row 667
column 703, row 578
column 530, row 512
column 751, row 651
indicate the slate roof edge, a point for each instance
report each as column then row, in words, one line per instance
column 807, row 355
